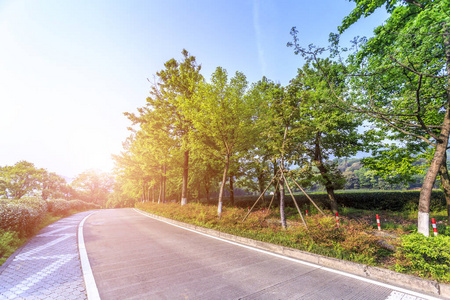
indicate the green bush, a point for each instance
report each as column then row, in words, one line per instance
column 389, row 200
column 59, row 206
column 445, row 230
column 9, row 241
column 370, row 200
column 22, row 215
column 425, row 256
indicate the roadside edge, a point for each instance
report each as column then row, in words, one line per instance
column 364, row 272
column 88, row 276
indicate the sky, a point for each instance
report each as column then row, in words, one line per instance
column 70, row 69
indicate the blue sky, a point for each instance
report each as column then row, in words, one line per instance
column 69, row 69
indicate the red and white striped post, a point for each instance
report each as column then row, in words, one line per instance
column 337, row 219
column 433, row 222
column 378, row 222
column 306, row 212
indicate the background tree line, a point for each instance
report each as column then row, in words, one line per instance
column 23, row 179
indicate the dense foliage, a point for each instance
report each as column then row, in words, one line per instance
column 425, row 256
column 25, row 180
column 21, row 218
column 22, row 215
column 251, row 136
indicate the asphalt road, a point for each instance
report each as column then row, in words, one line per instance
column 136, row 257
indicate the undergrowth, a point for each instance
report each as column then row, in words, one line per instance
column 348, row 241
column 24, row 218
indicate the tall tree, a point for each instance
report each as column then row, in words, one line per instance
column 223, row 119
column 327, row 132
column 177, row 84
column 413, row 96
column 400, row 77
column 161, row 144
column 279, row 111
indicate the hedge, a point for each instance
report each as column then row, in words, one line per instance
column 25, row 214
column 372, row 200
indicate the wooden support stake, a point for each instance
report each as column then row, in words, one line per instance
column 293, row 198
column 260, row 196
column 273, row 197
column 307, row 195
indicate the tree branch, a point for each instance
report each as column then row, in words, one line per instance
column 413, row 70
column 415, row 3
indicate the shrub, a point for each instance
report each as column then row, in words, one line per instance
column 349, row 241
column 370, row 200
column 9, row 241
column 59, row 206
column 425, row 256
column 25, row 214
column 22, row 215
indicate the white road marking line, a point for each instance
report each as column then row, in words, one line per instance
column 53, row 231
column 400, row 296
column 40, row 248
column 299, row 261
column 89, row 280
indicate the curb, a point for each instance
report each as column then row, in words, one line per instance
column 369, row 272
column 88, row 276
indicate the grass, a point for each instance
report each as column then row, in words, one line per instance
column 348, row 241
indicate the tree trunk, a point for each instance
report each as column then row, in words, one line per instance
column 160, row 190
column 324, row 172
column 207, row 193
column 231, row 190
column 282, row 204
column 332, row 197
column 430, row 177
column 262, row 183
column 275, row 171
column 445, row 181
column 153, row 193
column 163, row 194
column 222, row 186
column 185, row 178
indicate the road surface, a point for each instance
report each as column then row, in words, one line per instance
column 133, row 256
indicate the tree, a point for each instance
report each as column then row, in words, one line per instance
column 278, row 113
column 53, row 186
column 326, row 130
column 222, row 116
column 177, row 85
column 94, row 186
column 400, row 77
column 20, row 180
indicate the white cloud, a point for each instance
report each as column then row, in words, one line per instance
column 259, row 36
